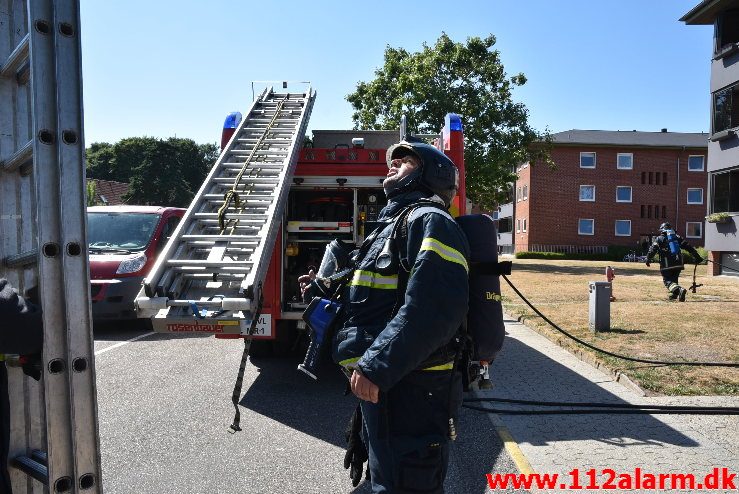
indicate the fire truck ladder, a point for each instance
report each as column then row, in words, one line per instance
column 53, row 443
column 209, row 276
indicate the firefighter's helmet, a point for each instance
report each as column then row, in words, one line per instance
column 437, row 173
column 664, row 227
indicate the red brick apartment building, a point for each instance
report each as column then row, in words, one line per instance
column 611, row 188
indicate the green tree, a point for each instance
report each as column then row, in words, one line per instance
column 158, row 171
column 464, row 78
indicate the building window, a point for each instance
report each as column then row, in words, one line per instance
column 664, row 178
column 518, row 226
column 643, row 210
column 693, row 229
column 587, row 192
column 650, row 178
column 505, row 225
column 725, row 192
column 643, row 177
column 625, row 161
column 587, row 160
column 523, row 227
column 726, row 109
column 623, row 228
column 623, row 194
column 586, row 227
column 664, row 211
column 649, row 210
column 525, row 192
column 727, row 30
column 656, row 178
column 695, row 163
column 695, row 196
column 518, row 194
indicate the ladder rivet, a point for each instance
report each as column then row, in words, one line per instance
column 56, row 366
column 66, row 29
column 42, row 27
column 87, row 481
column 46, row 136
column 69, row 137
column 74, row 249
column 79, row 364
column 51, row 249
column 63, row 484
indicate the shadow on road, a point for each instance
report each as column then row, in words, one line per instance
column 521, row 372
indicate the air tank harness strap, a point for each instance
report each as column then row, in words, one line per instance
column 234, row 428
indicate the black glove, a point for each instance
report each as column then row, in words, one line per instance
column 647, row 263
column 356, row 452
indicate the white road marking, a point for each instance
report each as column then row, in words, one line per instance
column 124, row 342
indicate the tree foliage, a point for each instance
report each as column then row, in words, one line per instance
column 464, row 78
column 158, row 171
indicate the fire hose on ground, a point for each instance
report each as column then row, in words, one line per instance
column 579, row 408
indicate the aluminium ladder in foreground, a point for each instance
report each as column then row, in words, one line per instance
column 209, row 276
column 53, row 442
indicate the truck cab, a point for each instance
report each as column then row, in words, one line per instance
column 123, row 242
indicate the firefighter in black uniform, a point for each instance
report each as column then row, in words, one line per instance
column 669, row 244
column 399, row 342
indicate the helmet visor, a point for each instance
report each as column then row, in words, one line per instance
column 400, row 150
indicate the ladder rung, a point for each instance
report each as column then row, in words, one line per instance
column 221, row 237
column 203, row 263
column 17, row 58
column 32, row 468
column 256, row 218
column 22, row 259
column 19, row 158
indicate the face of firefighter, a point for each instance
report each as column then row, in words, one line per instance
column 399, row 169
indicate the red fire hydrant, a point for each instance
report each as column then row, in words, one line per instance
column 610, row 274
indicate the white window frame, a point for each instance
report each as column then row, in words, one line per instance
column 615, row 229
column 631, row 193
column 523, row 227
column 594, row 159
column 525, row 193
column 518, row 225
column 586, row 200
column 703, row 162
column 693, row 223
column 518, row 194
column 592, row 220
column 618, row 162
column 693, row 189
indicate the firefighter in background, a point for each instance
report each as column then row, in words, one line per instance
column 668, row 245
column 399, row 344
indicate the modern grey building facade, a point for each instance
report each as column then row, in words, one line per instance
column 722, row 238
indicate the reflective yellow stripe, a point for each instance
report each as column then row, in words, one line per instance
column 447, row 366
column 374, row 280
column 444, row 251
column 348, row 362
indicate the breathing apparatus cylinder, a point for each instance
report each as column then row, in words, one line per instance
column 485, row 326
column 672, row 242
column 324, row 310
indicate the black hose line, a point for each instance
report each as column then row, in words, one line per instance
column 601, row 405
column 727, row 411
column 622, row 357
column 725, row 267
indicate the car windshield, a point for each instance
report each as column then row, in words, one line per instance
column 120, row 232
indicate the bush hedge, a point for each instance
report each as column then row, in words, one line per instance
column 615, row 253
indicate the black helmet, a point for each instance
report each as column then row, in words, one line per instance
column 437, row 173
column 664, row 227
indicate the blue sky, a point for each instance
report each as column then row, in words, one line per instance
column 164, row 68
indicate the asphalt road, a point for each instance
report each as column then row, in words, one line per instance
column 164, row 406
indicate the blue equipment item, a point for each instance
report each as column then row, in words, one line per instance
column 673, row 242
column 320, row 316
column 485, row 327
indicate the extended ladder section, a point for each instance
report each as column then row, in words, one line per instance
column 209, row 276
column 53, row 441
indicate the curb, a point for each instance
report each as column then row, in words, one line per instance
column 619, row 376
